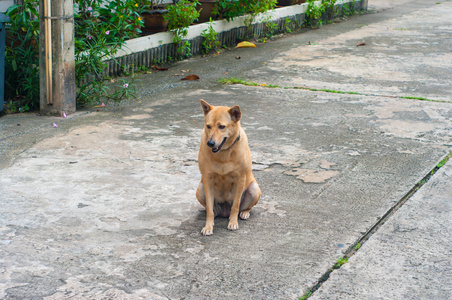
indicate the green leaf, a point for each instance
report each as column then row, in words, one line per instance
column 14, row 65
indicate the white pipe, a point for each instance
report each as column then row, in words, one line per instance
column 48, row 50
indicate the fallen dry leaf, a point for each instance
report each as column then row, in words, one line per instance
column 361, row 44
column 160, row 68
column 245, row 45
column 191, row 77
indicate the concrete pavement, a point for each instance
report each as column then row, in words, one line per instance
column 104, row 205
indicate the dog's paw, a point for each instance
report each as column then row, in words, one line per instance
column 233, row 225
column 244, row 215
column 207, row 230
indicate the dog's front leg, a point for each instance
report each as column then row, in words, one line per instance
column 210, row 216
column 233, row 218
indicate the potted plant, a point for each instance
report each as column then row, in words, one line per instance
column 206, row 10
column 153, row 13
column 229, row 9
column 290, row 2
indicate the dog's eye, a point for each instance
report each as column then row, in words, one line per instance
column 208, row 126
column 221, row 126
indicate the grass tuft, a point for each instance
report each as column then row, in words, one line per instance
column 233, row 80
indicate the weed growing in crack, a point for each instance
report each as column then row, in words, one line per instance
column 233, row 80
column 444, row 160
column 306, row 295
column 244, row 82
column 422, row 99
column 340, row 262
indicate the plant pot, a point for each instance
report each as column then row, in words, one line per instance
column 154, row 21
column 289, row 2
column 205, row 9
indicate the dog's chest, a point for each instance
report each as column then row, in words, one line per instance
column 224, row 186
column 221, row 168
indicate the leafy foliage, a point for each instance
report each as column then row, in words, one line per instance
column 253, row 8
column 180, row 16
column 22, row 57
column 210, row 41
column 101, row 29
column 229, row 10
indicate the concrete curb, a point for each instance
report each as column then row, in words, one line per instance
column 159, row 47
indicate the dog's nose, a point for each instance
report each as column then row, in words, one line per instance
column 210, row 143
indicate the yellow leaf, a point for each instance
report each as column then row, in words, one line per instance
column 246, row 45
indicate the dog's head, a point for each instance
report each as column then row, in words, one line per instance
column 222, row 125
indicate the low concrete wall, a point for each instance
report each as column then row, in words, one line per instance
column 159, row 48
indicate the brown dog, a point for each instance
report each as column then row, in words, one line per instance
column 227, row 185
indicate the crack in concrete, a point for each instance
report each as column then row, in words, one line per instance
column 306, row 88
column 366, row 236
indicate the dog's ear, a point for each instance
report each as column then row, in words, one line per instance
column 206, row 107
column 235, row 113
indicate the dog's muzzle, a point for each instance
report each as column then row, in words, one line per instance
column 211, row 144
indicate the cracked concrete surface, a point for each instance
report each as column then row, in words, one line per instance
column 409, row 257
column 104, row 206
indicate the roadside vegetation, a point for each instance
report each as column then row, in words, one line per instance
column 102, row 28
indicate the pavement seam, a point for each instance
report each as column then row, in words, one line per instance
column 354, row 248
column 232, row 81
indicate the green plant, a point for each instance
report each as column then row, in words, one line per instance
column 233, row 80
column 444, row 160
column 97, row 41
column 22, row 57
column 146, row 5
column 287, row 26
column 314, row 13
column 179, row 17
column 306, row 295
column 269, row 26
column 253, row 8
column 210, row 38
column 329, row 9
column 340, row 262
column 349, row 8
column 122, row 16
column 227, row 9
column 357, row 246
column 101, row 29
column 316, row 10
